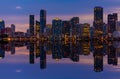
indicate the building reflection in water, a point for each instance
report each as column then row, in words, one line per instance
column 42, row 57
column 98, row 56
column 72, row 51
column 31, row 53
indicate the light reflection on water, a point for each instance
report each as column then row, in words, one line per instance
column 86, row 60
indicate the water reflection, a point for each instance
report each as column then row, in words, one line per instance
column 73, row 51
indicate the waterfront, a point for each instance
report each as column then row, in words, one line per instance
column 34, row 60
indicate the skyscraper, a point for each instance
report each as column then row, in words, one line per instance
column 2, row 24
column 98, row 18
column 13, row 29
column 74, row 21
column 31, row 25
column 37, row 29
column 42, row 20
column 98, row 21
column 57, row 28
column 98, row 57
column 112, row 23
column 2, row 27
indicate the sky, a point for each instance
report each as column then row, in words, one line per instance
column 17, row 11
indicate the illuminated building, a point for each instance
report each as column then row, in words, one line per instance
column 86, row 48
column 98, row 56
column 98, row 21
column 2, row 24
column 37, row 29
column 37, row 49
column 42, row 20
column 56, row 28
column 86, row 31
column 31, row 25
column 66, row 30
column 112, row 23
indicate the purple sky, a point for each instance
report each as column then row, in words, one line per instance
column 17, row 11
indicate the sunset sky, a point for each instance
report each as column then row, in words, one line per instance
column 17, row 11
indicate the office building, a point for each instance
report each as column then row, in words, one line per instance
column 85, row 31
column 66, row 30
column 98, row 21
column 57, row 28
column 31, row 25
column 42, row 20
column 37, row 32
column 74, row 21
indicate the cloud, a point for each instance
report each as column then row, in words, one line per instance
column 18, row 70
column 18, row 7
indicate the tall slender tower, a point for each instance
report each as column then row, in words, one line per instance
column 31, row 25
column 98, row 18
column 42, row 20
column 98, row 21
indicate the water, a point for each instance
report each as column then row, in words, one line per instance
column 60, row 60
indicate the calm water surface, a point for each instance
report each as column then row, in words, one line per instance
column 59, row 60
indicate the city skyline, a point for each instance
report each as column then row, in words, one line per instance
column 19, row 12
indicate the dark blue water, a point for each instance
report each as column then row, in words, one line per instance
column 83, row 60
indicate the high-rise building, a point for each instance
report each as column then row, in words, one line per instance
column 98, row 60
column 2, row 24
column 2, row 27
column 42, row 57
column 74, row 55
column 98, row 18
column 85, row 31
column 112, row 23
column 42, row 20
column 13, row 29
column 56, row 28
column 56, row 50
column 31, row 25
column 98, row 21
column 37, row 28
column 78, row 31
column 66, row 30
column 31, row 53
column 74, row 21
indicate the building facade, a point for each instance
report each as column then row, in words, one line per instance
column 42, row 20
column 31, row 25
